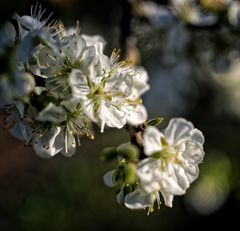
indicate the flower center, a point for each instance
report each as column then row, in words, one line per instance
column 168, row 154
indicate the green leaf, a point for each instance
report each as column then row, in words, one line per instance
column 154, row 122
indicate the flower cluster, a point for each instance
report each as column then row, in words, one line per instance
column 167, row 166
column 63, row 83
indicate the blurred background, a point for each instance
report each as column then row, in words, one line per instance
column 194, row 72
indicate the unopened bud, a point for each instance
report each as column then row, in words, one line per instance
column 128, row 151
column 108, row 153
column 129, row 173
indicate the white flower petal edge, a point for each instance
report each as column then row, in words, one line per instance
column 151, row 140
column 52, row 113
column 108, row 179
column 136, row 114
column 56, row 141
column 49, row 146
column 173, row 158
column 138, row 199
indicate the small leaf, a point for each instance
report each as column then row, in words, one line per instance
column 154, row 122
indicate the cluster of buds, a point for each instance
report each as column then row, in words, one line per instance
column 62, row 83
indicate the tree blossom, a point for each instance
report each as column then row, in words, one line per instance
column 57, row 129
column 56, row 66
column 111, row 93
column 42, row 29
column 173, row 158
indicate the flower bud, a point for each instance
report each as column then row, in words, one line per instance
column 129, row 173
column 128, row 151
column 108, row 153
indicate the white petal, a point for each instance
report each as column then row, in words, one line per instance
column 102, row 63
column 95, row 40
column 148, row 172
column 120, row 197
column 69, row 145
column 88, row 57
column 136, row 114
column 74, row 48
column 88, row 107
column 152, row 140
column 168, row 198
column 29, row 23
column 119, row 84
column 192, row 172
column 140, row 85
column 108, row 179
column 197, row 136
column 20, row 108
column 111, row 116
column 70, row 104
column 28, row 83
column 193, row 153
column 52, row 113
column 78, row 83
column 48, row 61
column 145, row 169
column 178, row 130
column 19, row 131
column 49, row 145
column 170, row 184
column 138, row 199
column 181, row 176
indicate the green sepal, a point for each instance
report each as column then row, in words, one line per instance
column 154, row 122
column 156, row 155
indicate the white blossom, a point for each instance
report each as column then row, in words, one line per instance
column 173, row 158
column 56, row 66
column 111, row 93
column 58, row 129
column 43, row 29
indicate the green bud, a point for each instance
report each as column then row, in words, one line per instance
column 128, row 151
column 108, row 153
column 129, row 173
column 154, row 122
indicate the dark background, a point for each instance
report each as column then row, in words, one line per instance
column 194, row 73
